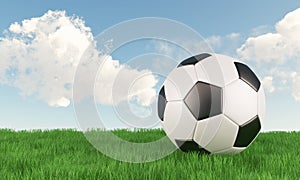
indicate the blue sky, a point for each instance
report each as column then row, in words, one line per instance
column 207, row 17
column 220, row 22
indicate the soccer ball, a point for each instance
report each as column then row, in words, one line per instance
column 212, row 103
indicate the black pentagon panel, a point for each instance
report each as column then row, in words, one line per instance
column 203, row 151
column 204, row 100
column 194, row 59
column 187, row 146
column 190, row 146
column 247, row 75
column 162, row 102
column 247, row 132
column 202, row 56
column 216, row 101
column 197, row 100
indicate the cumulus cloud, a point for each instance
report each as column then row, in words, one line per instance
column 184, row 49
column 295, row 77
column 278, row 46
column 220, row 44
column 226, row 44
column 277, row 52
column 268, row 84
column 117, row 82
column 288, row 79
column 260, row 30
column 39, row 56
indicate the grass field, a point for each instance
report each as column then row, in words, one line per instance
column 66, row 154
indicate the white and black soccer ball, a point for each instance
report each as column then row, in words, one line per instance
column 212, row 103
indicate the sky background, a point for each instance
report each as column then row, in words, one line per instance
column 35, row 91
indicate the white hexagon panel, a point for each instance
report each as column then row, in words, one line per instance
column 217, row 69
column 240, row 102
column 206, row 129
column 225, row 136
column 178, row 122
column 228, row 68
column 179, row 82
column 211, row 70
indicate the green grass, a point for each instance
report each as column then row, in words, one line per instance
column 66, row 154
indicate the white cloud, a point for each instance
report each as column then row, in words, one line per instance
column 277, row 53
column 214, row 41
column 295, row 77
column 260, row 30
column 220, row 44
column 220, row 41
column 268, row 84
column 177, row 52
column 233, row 36
column 118, row 82
column 40, row 55
column 279, row 46
column 62, row 102
column 164, row 48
